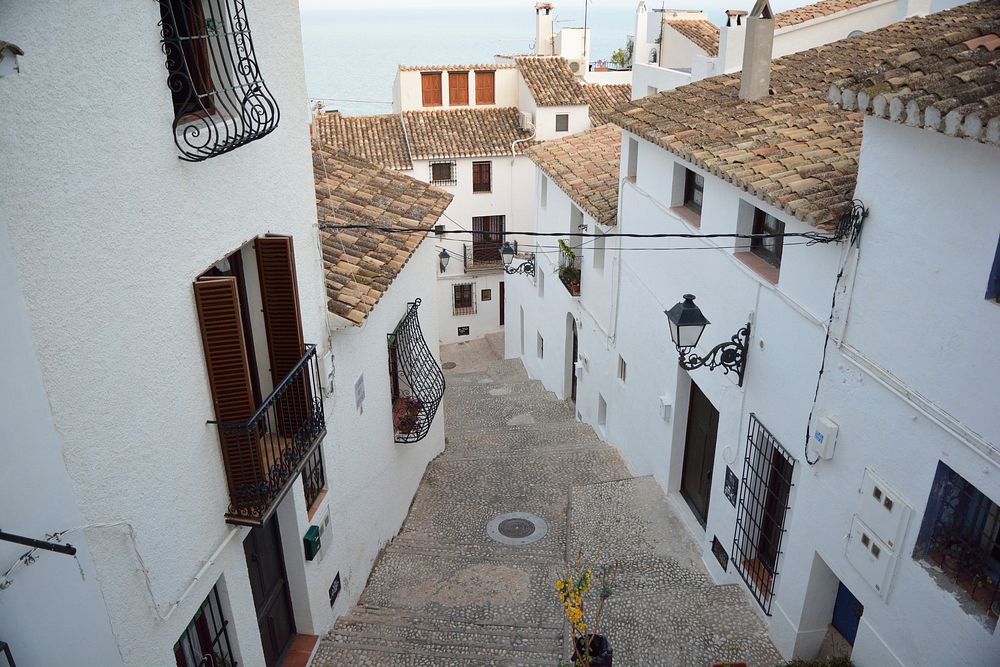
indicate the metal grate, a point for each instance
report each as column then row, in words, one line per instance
column 220, row 99
column 313, row 477
column 444, row 173
column 205, row 641
column 464, row 300
column 760, row 512
column 417, row 381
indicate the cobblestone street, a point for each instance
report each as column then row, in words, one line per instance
column 444, row 593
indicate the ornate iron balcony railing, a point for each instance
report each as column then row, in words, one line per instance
column 220, row 99
column 483, row 256
column 420, row 380
column 265, row 454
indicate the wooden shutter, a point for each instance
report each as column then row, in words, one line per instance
column 430, row 87
column 458, row 88
column 481, row 176
column 218, row 304
column 283, row 324
column 485, row 88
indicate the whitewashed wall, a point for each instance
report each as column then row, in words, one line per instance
column 816, row 32
column 676, row 50
column 651, row 79
column 109, row 229
column 408, row 93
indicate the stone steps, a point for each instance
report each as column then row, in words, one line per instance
column 477, row 552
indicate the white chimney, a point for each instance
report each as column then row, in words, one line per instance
column 755, row 80
column 543, row 28
column 640, row 49
column 731, row 38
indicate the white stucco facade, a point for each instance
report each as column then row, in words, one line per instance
column 908, row 389
column 408, row 94
column 107, row 232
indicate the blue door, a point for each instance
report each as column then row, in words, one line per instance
column 847, row 614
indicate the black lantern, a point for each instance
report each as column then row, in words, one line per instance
column 507, row 256
column 443, row 259
column 687, row 323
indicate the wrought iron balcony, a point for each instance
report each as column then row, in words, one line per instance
column 265, row 454
column 417, row 381
column 483, row 256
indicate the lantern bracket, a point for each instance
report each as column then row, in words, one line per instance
column 731, row 355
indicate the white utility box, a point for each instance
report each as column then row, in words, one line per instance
column 870, row 556
column 823, row 438
column 883, row 509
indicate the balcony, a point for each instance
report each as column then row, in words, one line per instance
column 570, row 274
column 264, row 455
column 483, row 256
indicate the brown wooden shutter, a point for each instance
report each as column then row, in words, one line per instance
column 218, row 304
column 430, row 86
column 485, row 88
column 458, row 88
column 282, row 321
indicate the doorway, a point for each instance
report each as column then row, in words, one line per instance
column 502, row 299
column 573, row 360
column 847, row 611
column 699, row 453
column 269, row 584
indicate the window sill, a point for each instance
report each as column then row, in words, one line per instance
column 687, row 215
column 316, row 504
column 440, row 184
column 630, row 179
column 482, row 192
column 766, row 271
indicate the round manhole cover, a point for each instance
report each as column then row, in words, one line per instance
column 517, row 528
column 448, row 365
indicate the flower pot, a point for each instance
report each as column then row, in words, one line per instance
column 600, row 650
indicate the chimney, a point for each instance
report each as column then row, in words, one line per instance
column 640, row 49
column 543, row 28
column 731, row 38
column 755, row 80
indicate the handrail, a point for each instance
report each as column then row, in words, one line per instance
column 273, row 396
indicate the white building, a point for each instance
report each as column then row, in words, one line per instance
column 463, row 128
column 179, row 405
column 885, row 535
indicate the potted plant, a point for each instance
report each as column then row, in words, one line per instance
column 601, row 66
column 407, row 423
column 622, row 58
column 590, row 647
column 403, row 407
column 569, row 272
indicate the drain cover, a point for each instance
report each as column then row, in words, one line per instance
column 448, row 365
column 517, row 528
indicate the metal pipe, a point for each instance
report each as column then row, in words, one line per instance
column 67, row 549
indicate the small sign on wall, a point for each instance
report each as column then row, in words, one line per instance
column 720, row 553
column 359, row 393
column 732, row 486
column 463, row 331
column 486, row 295
column 335, row 589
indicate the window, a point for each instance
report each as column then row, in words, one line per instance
column 543, row 188
column 313, row 479
column 993, row 286
column 760, row 511
column 438, row 230
column 694, row 189
column 443, row 173
column 430, row 88
column 562, row 122
column 632, row 166
column 960, row 534
column 205, row 641
column 482, row 176
column 415, row 379
column 458, row 88
column 464, row 302
column 213, row 114
column 767, row 248
column 541, row 284
column 599, row 253
column 540, row 347
column 602, row 411
column 485, row 88
column 486, row 295
column 487, row 239
column 622, row 368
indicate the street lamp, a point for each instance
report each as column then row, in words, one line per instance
column 507, row 255
column 443, row 259
column 687, row 323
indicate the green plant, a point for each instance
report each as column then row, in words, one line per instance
column 572, row 588
column 623, row 57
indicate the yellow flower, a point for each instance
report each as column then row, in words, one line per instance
column 560, row 585
column 581, row 627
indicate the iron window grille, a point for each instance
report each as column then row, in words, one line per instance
column 5, row 651
column 464, row 299
column 562, row 122
column 694, row 190
column 960, row 534
column 205, row 641
column 761, row 511
column 767, row 248
column 415, row 378
column 313, row 477
column 443, row 173
column 220, row 99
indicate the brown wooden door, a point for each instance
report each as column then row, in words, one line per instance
column 269, row 585
column 574, row 359
column 430, row 87
column 503, row 298
column 458, row 88
column 487, row 237
column 485, row 88
column 699, row 453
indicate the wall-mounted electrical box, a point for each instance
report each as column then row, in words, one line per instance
column 578, row 369
column 823, row 438
column 327, row 372
column 870, row 556
column 666, row 407
column 883, row 509
column 311, row 542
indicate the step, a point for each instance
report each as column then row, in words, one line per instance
column 363, row 654
column 495, row 640
column 443, row 647
column 423, row 619
column 477, row 552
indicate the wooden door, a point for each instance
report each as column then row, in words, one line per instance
column 458, row 88
column 430, row 87
column 487, row 238
column 485, row 88
column 699, row 453
column 502, row 299
column 269, row 585
column 574, row 359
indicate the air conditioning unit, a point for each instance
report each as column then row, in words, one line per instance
column 524, row 121
column 577, row 67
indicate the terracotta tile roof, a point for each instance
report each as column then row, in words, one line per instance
column 602, row 99
column 815, row 11
column 951, row 85
column 360, row 264
column 585, row 167
column 512, row 56
column 455, row 68
column 464, row 132
column 377, row 139
column 792, row 149
column 704, row 34
column 550, row 81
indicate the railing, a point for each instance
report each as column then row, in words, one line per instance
column 264, row 455
column 483, row 256
column 419, row 379
column 570, row 273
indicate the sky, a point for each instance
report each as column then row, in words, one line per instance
column 714, row 6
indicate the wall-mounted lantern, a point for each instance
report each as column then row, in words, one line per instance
column 443, row 260
column 687, row 323
column 507, row 255
column 8, row 58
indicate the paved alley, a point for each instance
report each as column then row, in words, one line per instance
column 444, row 592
